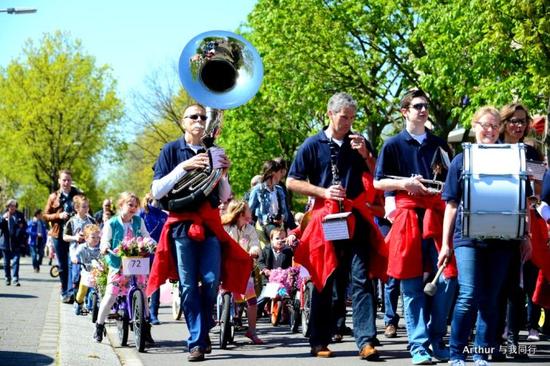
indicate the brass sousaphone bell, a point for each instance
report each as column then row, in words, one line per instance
column 220, row 70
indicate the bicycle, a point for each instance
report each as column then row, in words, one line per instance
column 177, row 310
column 129, row 308
column 225, row 306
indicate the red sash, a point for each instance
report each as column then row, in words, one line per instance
column 541, row 258
column 405, row 239
column 236, row 263
column 318, row 255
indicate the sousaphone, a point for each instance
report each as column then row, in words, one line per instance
column 220, row 70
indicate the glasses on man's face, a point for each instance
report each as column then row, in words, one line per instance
column 518, row 121
column 486, row 126
column 419, row 106
column 195, row 117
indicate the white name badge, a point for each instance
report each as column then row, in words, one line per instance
column 135, row 266
column 335, row 226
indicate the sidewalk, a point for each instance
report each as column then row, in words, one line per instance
column 37, row 329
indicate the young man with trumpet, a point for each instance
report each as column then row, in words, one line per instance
column 415, row 237
column 191, row 242
column 329, row 167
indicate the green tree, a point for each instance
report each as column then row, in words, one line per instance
column 58, row 110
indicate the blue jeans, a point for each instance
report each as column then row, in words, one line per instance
column 198, row 261
column 481, row 275
column 154, row 303
column 63, row 261
column 426, row 316
column 11, row 264
column 37, row 253
column 364, row 329
column 391, row 298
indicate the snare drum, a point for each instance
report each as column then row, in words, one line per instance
column 495, row 179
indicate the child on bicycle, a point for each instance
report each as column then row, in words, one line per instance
column 126, row 224
column 276, row 255
column 236, row 222
column 87, row 254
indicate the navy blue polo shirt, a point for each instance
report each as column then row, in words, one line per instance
column 312, row 163
column 403, row 156
column 453, row 191
column 171, row 155
column 545, row 195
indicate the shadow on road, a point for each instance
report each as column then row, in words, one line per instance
column 24, row 358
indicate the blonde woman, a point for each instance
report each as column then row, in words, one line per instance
column 236, row 221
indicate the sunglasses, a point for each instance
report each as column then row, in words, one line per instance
column 517, row 121
column 419, row 106
column 195, row 117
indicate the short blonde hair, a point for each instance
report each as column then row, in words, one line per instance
column 486, row 110
column 78, row 200
column 90, row 229
column 126, row 197
column 276, row 231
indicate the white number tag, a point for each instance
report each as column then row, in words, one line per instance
column 135, row 266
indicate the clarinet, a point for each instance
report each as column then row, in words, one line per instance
column 334, row 152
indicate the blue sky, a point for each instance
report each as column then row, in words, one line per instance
column 133, row 37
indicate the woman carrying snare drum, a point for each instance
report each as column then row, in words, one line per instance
column 482, row 264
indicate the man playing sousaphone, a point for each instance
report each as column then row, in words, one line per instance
column 329, row 167
column 194, row 237
column 415, row 236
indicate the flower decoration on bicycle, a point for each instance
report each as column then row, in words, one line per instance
column 136, row 247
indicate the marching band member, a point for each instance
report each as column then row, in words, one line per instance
column 414, row 238
column 515, row 127
column 329, row 166
column 482, row 264
column 194, row 237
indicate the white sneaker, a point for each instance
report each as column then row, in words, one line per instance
column 533, row 335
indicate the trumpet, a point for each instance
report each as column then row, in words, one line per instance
column 433, row 186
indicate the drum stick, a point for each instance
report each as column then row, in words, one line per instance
column 431, row 288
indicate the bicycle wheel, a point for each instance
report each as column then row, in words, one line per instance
column 95, row 306
column 54, row 271
column 122, row 323
column 176, row 305
column 306, row 311
column 225, row 321
column 295, row 316
column 138, row 320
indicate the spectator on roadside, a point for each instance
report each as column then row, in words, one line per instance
column 253, row 182
column 105, row 207
column 37, row 232
column 59, row 209
column 12, row 241
column 268, row 201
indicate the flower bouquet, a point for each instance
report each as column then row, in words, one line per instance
column 135, row 253
column 288, row 280
column 98, row 275
column 135, row 247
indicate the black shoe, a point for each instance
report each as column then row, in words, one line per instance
column 195, row 355
column 8, row 282
column 208, row 348
column 16, row 283
column 98, row 334
column 148, row 337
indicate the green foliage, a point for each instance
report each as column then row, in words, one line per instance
column 58, row 110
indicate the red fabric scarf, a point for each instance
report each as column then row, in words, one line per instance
column 318, row 255
column 236, row 263
column 405, row 239
column 541, row 258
